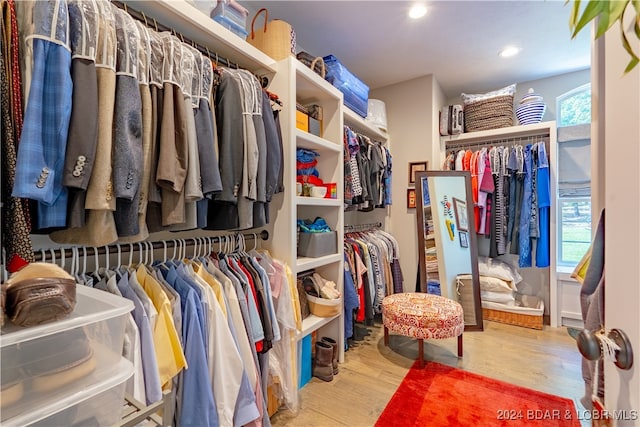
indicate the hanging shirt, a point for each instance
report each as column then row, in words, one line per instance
column 225, row 363
column 351, row 301
column 195, row 396
column 486, row 187
column 132, row 348
column 171, row 359
column 246, row 409
column 524, row 259
column 152, row 384
column 544, row 205
column 252, row 307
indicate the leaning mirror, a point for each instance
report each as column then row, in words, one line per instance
column 448, row 253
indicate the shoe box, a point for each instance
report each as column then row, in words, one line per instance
column 53, row 374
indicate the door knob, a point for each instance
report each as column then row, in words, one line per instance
column 591, row 348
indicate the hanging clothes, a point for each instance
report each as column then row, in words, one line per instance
column 511, row 192
column 367, row 172
column 16, row 221
column 148, row 151
column 191, row 329
column 42, row 147
column 374, row 264
column 544, row 206
column 100, row 227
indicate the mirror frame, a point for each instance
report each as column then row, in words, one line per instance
column 473, row 246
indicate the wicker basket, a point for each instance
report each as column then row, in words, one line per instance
column 492, row 113
column 510, row 318
column 315, row 63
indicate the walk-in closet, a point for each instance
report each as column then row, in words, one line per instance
column 291, row 213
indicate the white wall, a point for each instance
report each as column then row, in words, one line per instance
column 619, row 121
column 409, row 120
column 549, row 88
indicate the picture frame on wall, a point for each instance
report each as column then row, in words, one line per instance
column 411, row 198
column 460, row 210
column 464, row 240
column 416, row 167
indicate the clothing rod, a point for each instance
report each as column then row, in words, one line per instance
column 58, row 253
column 361, row 227
column 153, row 24
column 359, row 131
column 522, row 140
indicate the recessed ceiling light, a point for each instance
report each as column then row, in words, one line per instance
column 418, row 11
column 509, row 51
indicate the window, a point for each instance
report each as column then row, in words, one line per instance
column 574, row 107
column 574, row 229
column 574, row 174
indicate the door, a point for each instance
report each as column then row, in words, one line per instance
column 618, row 122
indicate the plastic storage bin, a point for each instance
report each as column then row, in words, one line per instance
column 41, row 363
column 231, row 26
column 97, row 404
column 231, row 10
column 377, row 114
column 356, row 93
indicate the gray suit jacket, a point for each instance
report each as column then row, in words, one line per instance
column 274, row 153
column 229, row 123
column 83, row 138
column 127, row 128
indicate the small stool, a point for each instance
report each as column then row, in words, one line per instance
column 422, row 316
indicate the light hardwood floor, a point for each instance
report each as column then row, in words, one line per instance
column 546, row 360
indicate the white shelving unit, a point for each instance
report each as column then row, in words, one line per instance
column 351, row 118
column 547, row 129
column 197, row 26
column 294, row 82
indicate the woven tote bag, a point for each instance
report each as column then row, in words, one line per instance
column 276, row 38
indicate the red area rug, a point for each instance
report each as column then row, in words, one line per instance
column 439, row 395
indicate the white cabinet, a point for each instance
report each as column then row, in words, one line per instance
column 542, row 281
column 294, row 82
column 569, row 310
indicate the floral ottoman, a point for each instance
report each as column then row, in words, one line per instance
column 422, row 316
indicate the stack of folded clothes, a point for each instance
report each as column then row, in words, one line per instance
column 318, row 225
column 306, row 171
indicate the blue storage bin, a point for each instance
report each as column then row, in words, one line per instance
column 356, row 93
column 305, row 365
column 236, row 14
column 231, row 26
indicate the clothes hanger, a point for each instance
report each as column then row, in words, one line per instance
column 106, row 258
column 63, row 258
column 53, row 256
column 96, row 272
column 140, row 254
column 119, row 257
column 130, row 255
column 74, row 263
column 164, row 250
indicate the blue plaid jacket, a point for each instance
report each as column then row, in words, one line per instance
column 43, row 142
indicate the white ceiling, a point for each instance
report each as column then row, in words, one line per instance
column 457, row 41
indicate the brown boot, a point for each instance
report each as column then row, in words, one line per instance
column 334, row 347
column 322, row 367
